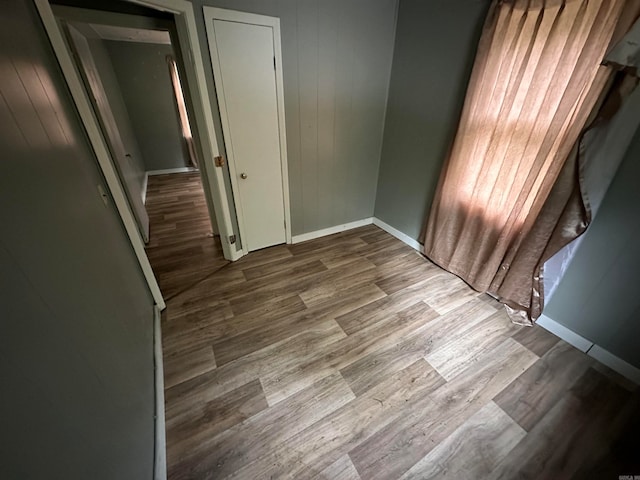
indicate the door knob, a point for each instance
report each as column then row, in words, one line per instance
column 243, row 176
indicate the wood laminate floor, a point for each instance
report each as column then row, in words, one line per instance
column 181, row 249
column 353, row 357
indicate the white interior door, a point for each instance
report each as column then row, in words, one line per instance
column 243, row 56
column 109, row 126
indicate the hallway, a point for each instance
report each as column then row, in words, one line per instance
column 181, row 249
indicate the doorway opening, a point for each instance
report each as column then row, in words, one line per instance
column 222, row 194
column 130, row 70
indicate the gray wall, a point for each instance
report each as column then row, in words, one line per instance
column 114, row 120
column 76, row 363
column 606, row 146
column 143, row 75
column 598, row 295
column 118, row 107
column 336, row 63
column 434, row 51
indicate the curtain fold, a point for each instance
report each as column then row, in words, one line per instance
column 182, row 111
column 626, row 54
column 508, row 194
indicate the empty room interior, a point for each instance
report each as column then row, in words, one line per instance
column 320, row 239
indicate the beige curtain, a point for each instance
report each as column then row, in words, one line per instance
column 182, row 110
column 507, row 196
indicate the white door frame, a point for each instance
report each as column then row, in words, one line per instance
column 213, row 13
column 87, row 65
column 190, row 46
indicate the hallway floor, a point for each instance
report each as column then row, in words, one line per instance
column 352, row 357
column 181, row 249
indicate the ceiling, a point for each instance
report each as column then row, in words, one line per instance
column 125, row 34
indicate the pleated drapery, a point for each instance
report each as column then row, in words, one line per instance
column 185, row 127
column 502, row 204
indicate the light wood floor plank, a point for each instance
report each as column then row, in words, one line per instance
column 187, row 364
column 345, row 351
column 374, row 237
column 281, row 356
column 331, row 254
column 400, row 445
column 297, row 280
column 350, row 276
column 384, row 252
column 206, row 327
column 233, row 347
column 536, row 339
column 528, row 398
column 469, row 347
column 363, row 317
column 222, row 455
column 578, row 429
column 341, row 469
column 181, row 248
column 191, row 429
column 332, row 240
column 407, row 271
column 277, row 255
column 312, row 450
column 449, row 292
column 618, row 449
column 312, row 361
column 474, row 450
column 367, row 371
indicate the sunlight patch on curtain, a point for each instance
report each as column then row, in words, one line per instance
column 536, row 80
column 182, row 111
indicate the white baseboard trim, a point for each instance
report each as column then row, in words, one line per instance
column 145, row 183
column 595, row 351
column 331, row 230
column 172, row 170
column 615, row 363
column 358, row 223
column 564, row 333
column 398, row 234
column 160, row 447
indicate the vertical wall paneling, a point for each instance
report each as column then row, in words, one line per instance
column 143, row 75
column 328, row 19
column 76, row 357
column 343, row 113
column 308, row 49
column 336, row 66
column 288, row 14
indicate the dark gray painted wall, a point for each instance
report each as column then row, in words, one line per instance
column 76, row 362
column 598, row 295
column 606, row 146
column 114, row 121
column 336, row 63
column 434, row 51
column 143, row 75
